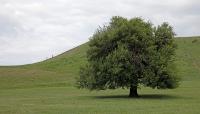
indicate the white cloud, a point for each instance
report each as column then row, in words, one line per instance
column 31, row 30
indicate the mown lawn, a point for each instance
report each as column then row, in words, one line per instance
column 48, row 88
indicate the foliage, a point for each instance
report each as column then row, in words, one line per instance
column 127, row 53
column 194, row 41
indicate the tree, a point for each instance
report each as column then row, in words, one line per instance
column 129, row 53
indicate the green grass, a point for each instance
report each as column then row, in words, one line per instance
column 48, row 88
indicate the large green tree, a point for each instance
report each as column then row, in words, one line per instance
column 128, row 53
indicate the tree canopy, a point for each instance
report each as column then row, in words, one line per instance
column 128, row 53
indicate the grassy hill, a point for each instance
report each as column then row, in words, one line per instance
column 58, row 71
column 48, row 87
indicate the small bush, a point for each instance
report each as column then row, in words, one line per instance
column 194, row 41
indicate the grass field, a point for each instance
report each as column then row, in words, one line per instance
column 48, row 88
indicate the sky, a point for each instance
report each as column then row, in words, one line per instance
column 34, row 30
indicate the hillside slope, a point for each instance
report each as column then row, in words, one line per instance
column 58, row 71
column 62, row 69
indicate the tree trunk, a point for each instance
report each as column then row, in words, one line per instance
column 133, row 91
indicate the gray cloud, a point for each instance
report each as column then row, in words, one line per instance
column 32, row 30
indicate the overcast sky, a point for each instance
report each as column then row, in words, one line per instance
column 33, row 30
